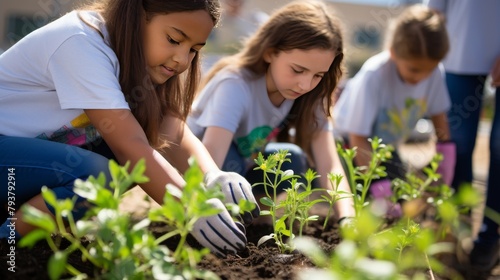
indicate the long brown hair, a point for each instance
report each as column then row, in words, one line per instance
column 148, row 102
column 419, row 32
column 297, row 25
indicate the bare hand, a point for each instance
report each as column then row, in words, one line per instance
column 495, row 73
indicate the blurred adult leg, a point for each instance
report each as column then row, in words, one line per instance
column 489, row 230
column 466, row 94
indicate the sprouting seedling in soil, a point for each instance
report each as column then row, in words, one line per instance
column 370, row 252
column 334, row 194
column 298, row 204
column 182, row 208
column 118, row 247
column 360, row 177
column 273, row 176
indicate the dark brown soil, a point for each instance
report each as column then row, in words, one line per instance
column 263, row 262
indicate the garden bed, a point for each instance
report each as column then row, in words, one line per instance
column 262, row 262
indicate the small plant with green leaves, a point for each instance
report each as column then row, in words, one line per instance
column 118, row 247
column 360, row 177
column 272, row 165
column 334, row 194
column 297, row 203
column 368, row 251
column 374, row 249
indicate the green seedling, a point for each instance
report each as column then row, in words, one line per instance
column 297, row 203
column 360, row 177
column 272, row 166
column 118, row 247
column 334, row 194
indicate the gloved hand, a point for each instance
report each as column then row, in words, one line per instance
column 381, row 188
column 347, row 222
column 235, row 187
column 220, row 233
column 447, row 166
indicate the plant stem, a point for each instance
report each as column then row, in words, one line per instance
column 179, row 248
column 429, row 265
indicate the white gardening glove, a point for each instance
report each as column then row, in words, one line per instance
column 219, row 232
column 347, row 222
column 235, row 187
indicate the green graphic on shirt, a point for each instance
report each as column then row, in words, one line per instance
column 397, row 124
column 254, row 141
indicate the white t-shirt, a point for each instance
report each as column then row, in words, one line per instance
column 52, row 74
column 236, row 101
column 376, row 102
column 474, row 28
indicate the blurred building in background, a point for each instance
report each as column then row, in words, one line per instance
column 364, row 24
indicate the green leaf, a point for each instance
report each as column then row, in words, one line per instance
column 267, row 201
column 49, row 196
column 57, row 265
column 30, row 239
column 311, row 249
column 38, row 218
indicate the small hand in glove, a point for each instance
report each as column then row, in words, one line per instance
column 219, row 232
column 235, row 187
column 447, row 166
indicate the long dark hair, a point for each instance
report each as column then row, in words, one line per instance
column 148, row 102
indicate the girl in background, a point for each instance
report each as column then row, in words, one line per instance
column 394, row 89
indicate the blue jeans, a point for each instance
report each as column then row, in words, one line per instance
column 32, row 163
column 235, row 162
column 466, row 93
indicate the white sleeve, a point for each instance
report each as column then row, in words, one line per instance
column 225, row 106
column 356, row 109
column 85, row 77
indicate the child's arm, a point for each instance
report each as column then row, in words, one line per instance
column 364, row 150
column 495, row 73
column 185, row 144
column 441, row 128
column 324, row 144
column 127, row 140
column 217, row 140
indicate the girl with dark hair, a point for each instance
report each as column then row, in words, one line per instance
column 104, row 82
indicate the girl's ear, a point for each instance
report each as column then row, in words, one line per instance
column 267, row 55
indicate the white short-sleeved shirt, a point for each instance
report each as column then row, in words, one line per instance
column 238, row 102
column 474, row 28
column 52, row 74
column 376, row 102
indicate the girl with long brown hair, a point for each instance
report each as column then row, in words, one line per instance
column 105, row 82
column 281, row 81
